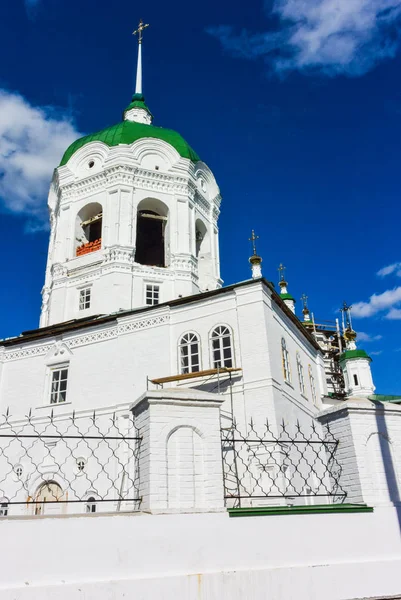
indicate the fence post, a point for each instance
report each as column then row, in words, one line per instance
column 369, row 435
column 180, row 466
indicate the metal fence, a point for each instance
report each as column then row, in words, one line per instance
column 68, row 464
column 288, row 466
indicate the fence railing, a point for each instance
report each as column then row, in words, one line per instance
column 68, row 464
column 263, row 466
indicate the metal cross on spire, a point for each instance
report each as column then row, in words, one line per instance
column 281, row 271
column 139, row 33
column 304, row 299
column 253, row 239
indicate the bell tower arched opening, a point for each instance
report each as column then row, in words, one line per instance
column 151, row 233
column 88, row 229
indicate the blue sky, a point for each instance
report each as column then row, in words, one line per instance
column 295, row 106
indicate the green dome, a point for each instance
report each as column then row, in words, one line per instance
column 287, row 297
column 128, row 132
column 351, row 354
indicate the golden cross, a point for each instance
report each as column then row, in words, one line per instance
column 139, row 31
column 281, row 271
column 253, row 239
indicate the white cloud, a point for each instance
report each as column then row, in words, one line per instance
column 395, row 268
column 366, row 337
column 32, row 142
column 376, row 353
column 394, row 314
column 377, row 303
column 325, row 36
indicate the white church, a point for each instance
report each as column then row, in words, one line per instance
column 135, row 320
column 133, row 292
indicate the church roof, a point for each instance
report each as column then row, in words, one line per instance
column 350, row 354
column 128, row 132
column 287, row 297
column 96, row 320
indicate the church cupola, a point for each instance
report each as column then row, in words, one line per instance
column 284, row 295
column 355, row 363
column 255, row 260
column 305, row 310
column 134, row 216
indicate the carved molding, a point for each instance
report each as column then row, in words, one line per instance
column 83, row 340
column 142, row 324
column 26, row 352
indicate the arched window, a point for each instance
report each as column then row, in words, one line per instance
column 201, row 235
column 50, row 491
column 301, row 377
column 189, row 353
column 286, row 361
column 312, row 385
column 151, row 227
column 90, row 505
column 222, row 348
column 88, row 229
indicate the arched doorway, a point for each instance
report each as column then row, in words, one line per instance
column 151, row 233
column 47, row 495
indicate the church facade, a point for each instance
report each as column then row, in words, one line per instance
column 133, row 300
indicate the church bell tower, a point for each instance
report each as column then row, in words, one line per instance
column 133, row 214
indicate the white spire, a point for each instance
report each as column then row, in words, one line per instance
column 138, row 86
column 139, row 33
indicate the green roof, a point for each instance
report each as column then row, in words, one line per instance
column 287, row 297
column 350, row 354
column 128, row 132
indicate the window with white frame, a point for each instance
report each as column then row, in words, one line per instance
column 84, row 298
column 286, row 361
column 189, row 353
column 222, row 347
column 58, row 387
column 301, row 377
column 152, row 295
column 312, row 385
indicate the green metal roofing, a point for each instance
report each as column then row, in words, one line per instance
column 287, row 297
column 128, row 132
column 350, row 354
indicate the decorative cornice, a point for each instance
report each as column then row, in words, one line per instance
column 124, row 174
column 83, row 340
column 26, row 352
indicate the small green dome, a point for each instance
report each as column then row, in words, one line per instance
column 351, row 354
column 287, row 297
column 128, row 132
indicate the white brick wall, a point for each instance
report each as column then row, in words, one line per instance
column 369, row 447
column 180, row 459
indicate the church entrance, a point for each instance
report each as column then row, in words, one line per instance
column 150, row 239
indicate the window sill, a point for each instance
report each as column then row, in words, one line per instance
column 305, row 397
column 289, row 384
column 53, row 405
